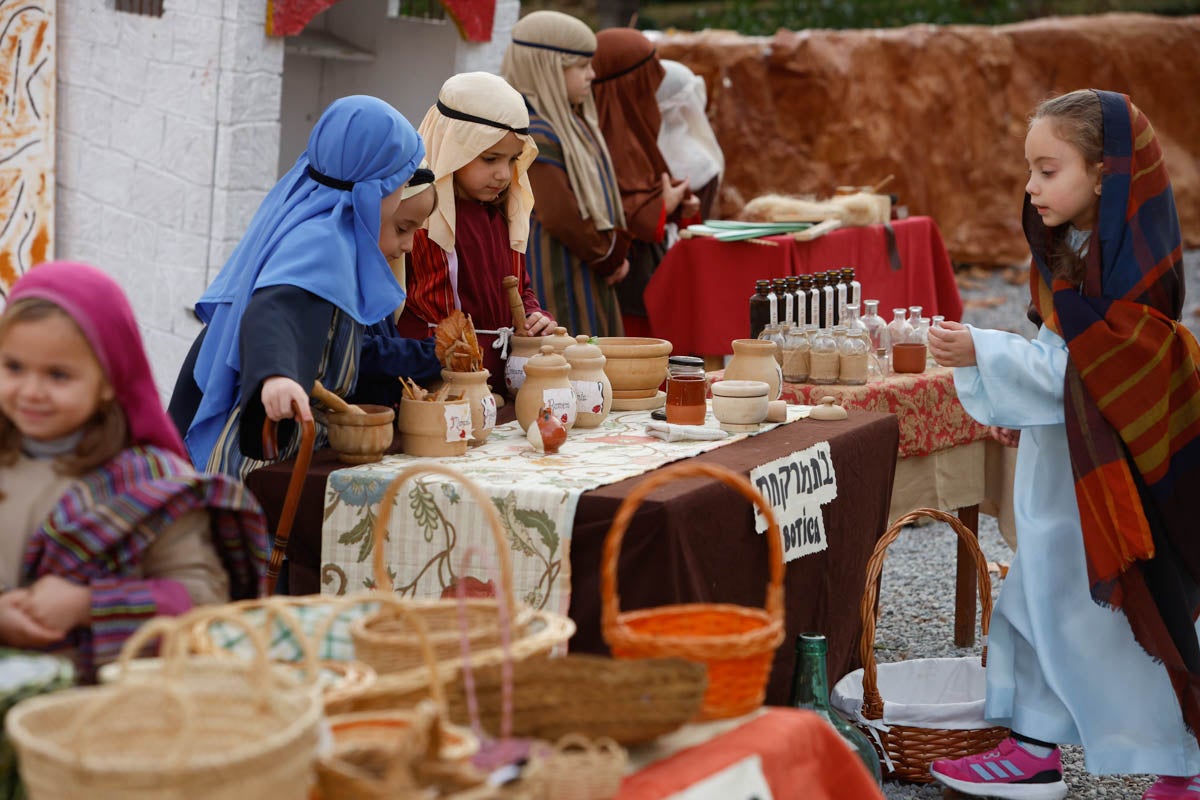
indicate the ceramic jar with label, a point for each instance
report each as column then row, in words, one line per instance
column 754, row 360
column 473, row 387
column 434, row 427
column 592, row 387
column 522, row 348
column 547, row 383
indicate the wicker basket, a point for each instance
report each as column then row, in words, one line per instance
column 737, row 643
column 387, row 644
column 196, row 729
column 578, row 769
column 908, row 751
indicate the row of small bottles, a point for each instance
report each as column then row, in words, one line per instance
column 856, row 350
column 819, row 299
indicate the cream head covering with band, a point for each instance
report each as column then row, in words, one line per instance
column 545, row 42
column 421, row 180
column 474, row 111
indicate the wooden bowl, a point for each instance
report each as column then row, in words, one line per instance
column 361, row 438
column 636, row 366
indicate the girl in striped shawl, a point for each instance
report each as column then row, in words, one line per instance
column 1093, row 640
column 105, row 523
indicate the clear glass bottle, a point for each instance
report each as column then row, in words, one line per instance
column 919, row 325
column 796, row 354
column 854, row 363
column 810, row 691
column 877, row 328
column 760, row 311
column 685, row 390
column 898, row 329
column 775, row 333
column 824, row 358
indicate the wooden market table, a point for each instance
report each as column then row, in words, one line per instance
column 699, row 296
column 692, row 540
column 947, row 461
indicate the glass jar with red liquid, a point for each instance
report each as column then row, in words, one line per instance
column 686, row 388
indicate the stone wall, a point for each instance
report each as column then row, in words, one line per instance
column 168, row 137
column 943, row 108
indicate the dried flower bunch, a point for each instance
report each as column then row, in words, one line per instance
column 457, row 348
column 414, row 391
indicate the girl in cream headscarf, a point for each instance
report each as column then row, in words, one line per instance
column 478, row 145
column 577, row 239
column 686, row 139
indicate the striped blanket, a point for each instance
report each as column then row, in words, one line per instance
column 1132, row 397
column 99, row 532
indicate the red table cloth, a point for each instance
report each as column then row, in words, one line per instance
column 699, row 296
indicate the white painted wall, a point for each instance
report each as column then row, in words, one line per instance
column 168, row 136
column 412, row 60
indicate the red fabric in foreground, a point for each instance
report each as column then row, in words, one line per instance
column 699, row 296
column 802, row 756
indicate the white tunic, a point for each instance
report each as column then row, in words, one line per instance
column 1061, row 668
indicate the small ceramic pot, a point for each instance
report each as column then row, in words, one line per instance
column 636, row 366
column 475, row 390
column 754, row 360
column 740, row 402
column 546, row 384
column 437, row 428
column 361, row 438
column 523, row 348
column 908, row 357
column 593, row 389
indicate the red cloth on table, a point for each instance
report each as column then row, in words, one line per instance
column 802, row 756
column 699, row 296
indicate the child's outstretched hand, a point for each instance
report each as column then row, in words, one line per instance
column 18, row 628
column 280, row 394
column 58, row 604
column 951, row 345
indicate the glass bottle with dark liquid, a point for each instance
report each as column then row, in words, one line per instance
column 760, row 307
column 686, row 389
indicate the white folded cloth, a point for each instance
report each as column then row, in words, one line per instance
column 681, row 433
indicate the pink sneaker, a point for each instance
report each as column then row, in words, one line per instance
column 1010, row 771
column 1170, row 788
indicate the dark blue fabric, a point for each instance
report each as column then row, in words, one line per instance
column 311, row 236
column 386, row 357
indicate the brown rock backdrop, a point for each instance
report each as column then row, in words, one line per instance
column 944, row 108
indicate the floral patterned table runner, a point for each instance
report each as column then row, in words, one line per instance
column 434, row 520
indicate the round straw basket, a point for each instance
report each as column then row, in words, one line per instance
column 387, row 644
column 736, row 643
column 578, row 769
column 194, row 730
column 912, row 749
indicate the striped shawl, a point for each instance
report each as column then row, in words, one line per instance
column 1132, row 397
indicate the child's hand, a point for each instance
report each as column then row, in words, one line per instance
column 58, row 604
column 538, row 324
column 951, row 345
column 18, row 628
column 1005, row 436
column 619, row 275
column 279, row 394
column 673, row 193
column 690, row 206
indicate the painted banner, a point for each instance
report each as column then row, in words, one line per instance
column 796, row 486
column 27, row 76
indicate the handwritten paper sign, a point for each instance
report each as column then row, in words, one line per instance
column 796, row 486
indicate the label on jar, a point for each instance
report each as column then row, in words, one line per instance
column 561, row 402
column 774, row 308
column 458, row 422
column 589, row 396
column 488, row 404
column 514, row 373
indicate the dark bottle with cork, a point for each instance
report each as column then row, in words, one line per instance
column 760, row 307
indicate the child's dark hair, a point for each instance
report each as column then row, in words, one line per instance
column 104, row 435
column 1078, row 121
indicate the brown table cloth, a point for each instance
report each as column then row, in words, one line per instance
column 693, row 540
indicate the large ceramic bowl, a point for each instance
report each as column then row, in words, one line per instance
column 361, row 438
column 636, row 366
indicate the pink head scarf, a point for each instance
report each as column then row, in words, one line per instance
column 98, row 306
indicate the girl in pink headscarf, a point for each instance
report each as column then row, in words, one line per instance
column 106, row 524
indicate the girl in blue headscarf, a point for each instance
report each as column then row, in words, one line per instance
column 309, row 277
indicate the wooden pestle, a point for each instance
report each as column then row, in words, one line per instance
column 515, row 304
column 334, row 402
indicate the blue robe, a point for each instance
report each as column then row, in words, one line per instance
column 1061, row 668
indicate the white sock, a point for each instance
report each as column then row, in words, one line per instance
column 1035, row 749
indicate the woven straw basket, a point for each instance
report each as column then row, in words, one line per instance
column 578, row 769
column 737, row 643
column 195, row 729
column 388, row 645
column 910, row 750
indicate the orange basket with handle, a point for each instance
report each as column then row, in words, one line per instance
column 735, row 642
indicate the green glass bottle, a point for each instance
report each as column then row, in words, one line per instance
column 810, row 691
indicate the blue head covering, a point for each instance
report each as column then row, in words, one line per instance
column 318, row 230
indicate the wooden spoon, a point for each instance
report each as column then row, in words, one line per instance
column 334, row 402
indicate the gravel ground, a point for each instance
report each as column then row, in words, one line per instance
column 917, row 598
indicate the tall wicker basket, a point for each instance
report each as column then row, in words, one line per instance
column 736, row 643
column 907, row 751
